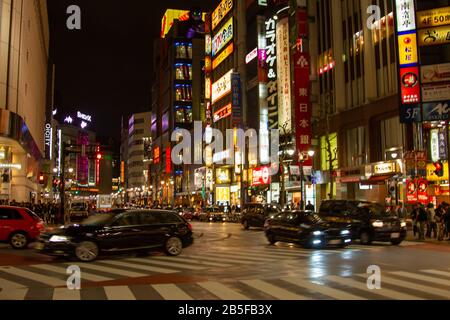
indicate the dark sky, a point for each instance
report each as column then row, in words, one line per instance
column 105, row 68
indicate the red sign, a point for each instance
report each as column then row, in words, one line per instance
column 168, row 160
column 303, row 112
column 156, row 155
column 302, row 26
column 410, row 85
column 411, row 191
column 222, row 113
column 261, row 176
column 422, row 191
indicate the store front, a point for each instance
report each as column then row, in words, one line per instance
column 222, row 188
column 259, row 180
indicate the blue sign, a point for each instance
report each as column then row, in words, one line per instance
column 410, row 114
column 436, row 111
column 236, row 98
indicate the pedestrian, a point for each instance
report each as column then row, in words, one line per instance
column 431, row 221
column 414, row 214
column 402, row 212
column 422, row 220
column 309, row 206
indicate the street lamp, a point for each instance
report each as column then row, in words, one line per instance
column 70, row 170
column 301, row 159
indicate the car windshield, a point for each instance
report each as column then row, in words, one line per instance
column 33, row 215
column 97, row 220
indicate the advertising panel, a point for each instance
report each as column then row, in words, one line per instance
column 220, row 12
column 284, row 75
column 261, row 176
column 222, row 113
column 405, row 10
column 221, row 87
column 411, row 191
column 410, row 85
column 422, row 191
column 236, row 98
column 408, row 52
column 223, row 55
column 435, row 73
column 433, row 17
column 222, row 194
column 434, row 36
column 221, row 39
column 269, row 56
column 436, row 111
column 435, row 92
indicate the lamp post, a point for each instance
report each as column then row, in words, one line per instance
column 301, row 159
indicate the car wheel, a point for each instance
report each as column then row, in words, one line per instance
column 246, row 225
column 396, row 242
column 19, row 240
column 271, row 238
column 87, row 251
column 365, row 238
column 173, row 246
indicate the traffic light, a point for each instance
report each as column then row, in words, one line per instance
column 99, row 156
column 41, row 178
column 439, row 168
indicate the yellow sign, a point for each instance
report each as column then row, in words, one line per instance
column 385, row 167
column 434, row 36
column 407, row 44
column 208, row 64
column 221, row 11
column 207, row 88
column 222, row 194
column 433, row 17
column 221, row 57
column 431, row 176
column 223, row 176
column 169, row 16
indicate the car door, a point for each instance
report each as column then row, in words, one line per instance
column 124, row 232
column 10, row 220
column 154, row 228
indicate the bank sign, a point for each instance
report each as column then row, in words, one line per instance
column 222, row 38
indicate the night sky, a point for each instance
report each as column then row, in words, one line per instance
column 105, row 68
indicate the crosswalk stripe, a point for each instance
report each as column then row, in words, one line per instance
column 53, row 282
column 331, row 292
column 292, row 253
column 437, row 272
column 66, row 294
column 170, row 264
column 140, row 267
column 119, row 293
column 60, row 269
column 243, row 256
column 171, row 292
column 222, row 291
column 275, row 255
column 226, row 260
column 411, row 285
column 194, row 261
column 363, row 286
column 6, row 284
column 422, row 277
column 13, row 294
column 120, row 272
column 274, row 291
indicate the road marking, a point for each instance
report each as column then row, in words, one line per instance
column 222, row 291
column 171, row 292
column 411, row 285
column 120, row 272
column 193, row 261
column 61, row 269
column 170, row 264
column 331, row 292
column 274, row 291
column 205, row 256
column 6, row 284
column 243, row 256
column 53, row 282
column 13, row 294
column 437, row 272
column 66, row 294
column 140, row 267
column 422, row 277
column 292, row 253
column 119, row 293
column 274, row 254
column 363, row 286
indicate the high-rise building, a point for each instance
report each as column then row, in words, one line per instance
column 24, row 56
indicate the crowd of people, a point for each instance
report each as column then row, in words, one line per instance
column 430, row 222
column 48, row 212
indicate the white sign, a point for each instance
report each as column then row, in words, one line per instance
column 48, row 140
column 251, row 56
column 431, row 93
column 434, row 144
column 17, row 166
column 224, row 36
column 221, row 87
column 84, row 116
column 68, row 119
column 406, row 15
column 284, row 76
column 271, row 47
column 435, row 73
column 220, row 156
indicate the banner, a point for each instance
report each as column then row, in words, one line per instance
column 435, row 73
column 422, row 191
column 284, row 76
column 435, row 92
column 236, row 98
column 411, row 191
column 220, row 12
column 269, row 57
column 222, row 38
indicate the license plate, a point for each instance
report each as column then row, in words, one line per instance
column 335, row 242
column 39, row 246
column 395, row 235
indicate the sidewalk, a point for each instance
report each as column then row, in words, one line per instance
column 410, row 237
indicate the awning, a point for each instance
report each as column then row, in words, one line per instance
column 378, row 179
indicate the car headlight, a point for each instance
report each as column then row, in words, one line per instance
column 403, row 224
column 59, row 239
column 378, row 224
column 317, row 233
column 345, row 232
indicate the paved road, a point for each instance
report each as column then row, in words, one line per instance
column 229, row 263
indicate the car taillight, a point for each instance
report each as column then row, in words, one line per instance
column 40, row 226
column 189, row 226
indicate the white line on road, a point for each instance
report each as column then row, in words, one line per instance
column 62, row 270
column 120, row 272
column 139, row 266
column 437, row 272
column 119, row 293
column 192, row 261
column 50, row 281
column 222, row 291
column 170, row 264
column 273, row 290
column 6, row 284
column 66, row 294
column 331, row 292
column 391, row 294
column 243, row 256
column 205, row 256
column 422, row 278
column 13, row 294
column 171, row 292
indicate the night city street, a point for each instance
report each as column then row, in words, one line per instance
column 224, row 158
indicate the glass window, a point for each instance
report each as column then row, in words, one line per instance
column 127, row 219
column 149, row 218
column 356, row 146
column 10, row 214
column 179, row 115
column 392, row 134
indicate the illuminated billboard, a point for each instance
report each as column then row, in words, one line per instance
column 222, row 37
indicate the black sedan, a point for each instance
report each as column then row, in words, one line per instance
column 307, row 229
column 140, row 230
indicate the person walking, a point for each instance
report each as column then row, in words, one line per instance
column 431, row 221
column 402, row 212
column 309, row 206
column 422, row 219
column 414, row 215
